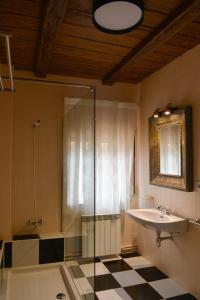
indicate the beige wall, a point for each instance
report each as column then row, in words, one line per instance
column 30, row 102
column 177, row 83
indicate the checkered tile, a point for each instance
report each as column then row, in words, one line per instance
column 124, row 277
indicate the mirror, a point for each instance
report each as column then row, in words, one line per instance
column 170, row 148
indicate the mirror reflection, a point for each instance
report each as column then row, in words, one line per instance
column 170, row 149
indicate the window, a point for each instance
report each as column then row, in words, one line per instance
column 114, row 155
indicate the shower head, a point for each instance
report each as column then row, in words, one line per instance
column 36, row 124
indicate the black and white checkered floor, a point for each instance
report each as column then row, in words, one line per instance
column 125, row 277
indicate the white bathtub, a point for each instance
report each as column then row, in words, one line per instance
column 38, row 283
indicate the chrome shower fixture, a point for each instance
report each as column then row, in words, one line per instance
column 35, row 223
column 38, row 222
column 7, row 37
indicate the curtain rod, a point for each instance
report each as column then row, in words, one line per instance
column 56, row 82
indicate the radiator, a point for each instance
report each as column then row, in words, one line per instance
column 107, row 235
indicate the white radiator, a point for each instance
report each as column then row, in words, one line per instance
column 107, row 235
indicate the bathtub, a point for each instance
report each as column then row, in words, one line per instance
column 38, row 283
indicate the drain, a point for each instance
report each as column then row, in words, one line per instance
column 60, row 296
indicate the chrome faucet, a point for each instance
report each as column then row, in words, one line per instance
column 164, row 210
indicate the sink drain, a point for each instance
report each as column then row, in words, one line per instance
column 60, row 296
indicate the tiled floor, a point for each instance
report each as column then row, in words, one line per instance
column 124, row 277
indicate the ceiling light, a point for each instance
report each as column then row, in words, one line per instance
column 168, row 109
column 167, row 112
column 156, row 113
column 116, row 17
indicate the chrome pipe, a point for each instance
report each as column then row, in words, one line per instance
column 7, row 43
column 56, row 82
column 160, row 239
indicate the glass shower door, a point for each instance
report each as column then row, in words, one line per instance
column 78, row 207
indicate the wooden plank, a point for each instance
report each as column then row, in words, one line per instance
column 17, row 21
column 16, row 50
column 91, row 33
column 153, row 19
column 87, row 44
column 54, row 14
column 142, row 67
column 171, row 50
column 197, row 20
column 166, row 7
column 135, row 77
column 21, row 39
column 17, row 46
column 22, row 7
column 84, row 6
column 192, row 29
column 76, row 17
column 163, row 33
column 65, row 61
column 96, row 56
column 20, row 34
column 20, row 62
column 159, row 57
column 184, row 42
column 78, row 67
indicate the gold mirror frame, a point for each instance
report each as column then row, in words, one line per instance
column 183, row 117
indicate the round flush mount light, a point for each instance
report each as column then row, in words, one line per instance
column 117, row 17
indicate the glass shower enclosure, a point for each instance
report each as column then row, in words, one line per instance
column 78, row 201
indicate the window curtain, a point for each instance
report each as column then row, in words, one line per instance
column 114, row 155
column 78, row 157
column 115, row 131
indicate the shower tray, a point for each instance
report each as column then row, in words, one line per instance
column 48, row 282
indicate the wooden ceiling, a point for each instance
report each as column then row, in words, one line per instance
column 58, row 37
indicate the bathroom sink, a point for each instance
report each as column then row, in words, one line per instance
column 158, row 221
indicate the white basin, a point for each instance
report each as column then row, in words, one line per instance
column 158, row 221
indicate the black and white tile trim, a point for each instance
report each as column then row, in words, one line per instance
column 125, row 277
column 29, row 250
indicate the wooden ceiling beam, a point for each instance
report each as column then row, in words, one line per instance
column 53, row 16
column 174, row 23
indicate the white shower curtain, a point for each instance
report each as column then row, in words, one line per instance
column 114, row 153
